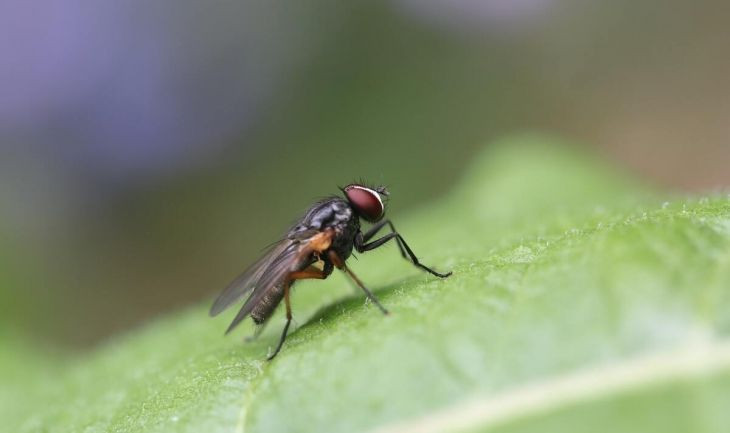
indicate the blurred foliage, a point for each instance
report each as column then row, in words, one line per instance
column 152, row 173
column 560, row 264
column 380, row 101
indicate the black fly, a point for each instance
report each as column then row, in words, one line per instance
column 326, row 234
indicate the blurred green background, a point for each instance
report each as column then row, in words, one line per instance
column 151, row 150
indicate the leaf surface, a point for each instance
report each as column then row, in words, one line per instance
column 579, row 297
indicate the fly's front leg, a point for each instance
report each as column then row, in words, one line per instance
column 364, row 237
column 361, row 247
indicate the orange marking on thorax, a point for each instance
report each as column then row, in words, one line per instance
column 321, row 241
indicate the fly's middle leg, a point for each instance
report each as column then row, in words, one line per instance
column 337, row 261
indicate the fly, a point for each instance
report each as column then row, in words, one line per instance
column 325, row 235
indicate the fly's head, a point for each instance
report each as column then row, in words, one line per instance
column 368, row 202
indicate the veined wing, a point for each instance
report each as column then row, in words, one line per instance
column 245, row 282
column 296, row 256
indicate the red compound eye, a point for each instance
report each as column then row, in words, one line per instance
column 366, row 201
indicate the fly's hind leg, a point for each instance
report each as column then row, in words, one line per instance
column 309, row 272
column 288, row 322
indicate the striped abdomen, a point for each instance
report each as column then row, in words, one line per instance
column 268, row 303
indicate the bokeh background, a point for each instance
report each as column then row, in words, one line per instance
column 150, row 150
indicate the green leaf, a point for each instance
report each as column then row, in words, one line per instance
column 579, row 299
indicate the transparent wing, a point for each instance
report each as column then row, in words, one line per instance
column 293, row 258
column 245, row 282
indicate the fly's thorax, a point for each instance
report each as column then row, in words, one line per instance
column 333, row 213
column 345, row 232
column 343, row 213
column 325, row 213
column 322, row 240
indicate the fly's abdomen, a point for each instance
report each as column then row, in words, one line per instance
column 268, row 303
